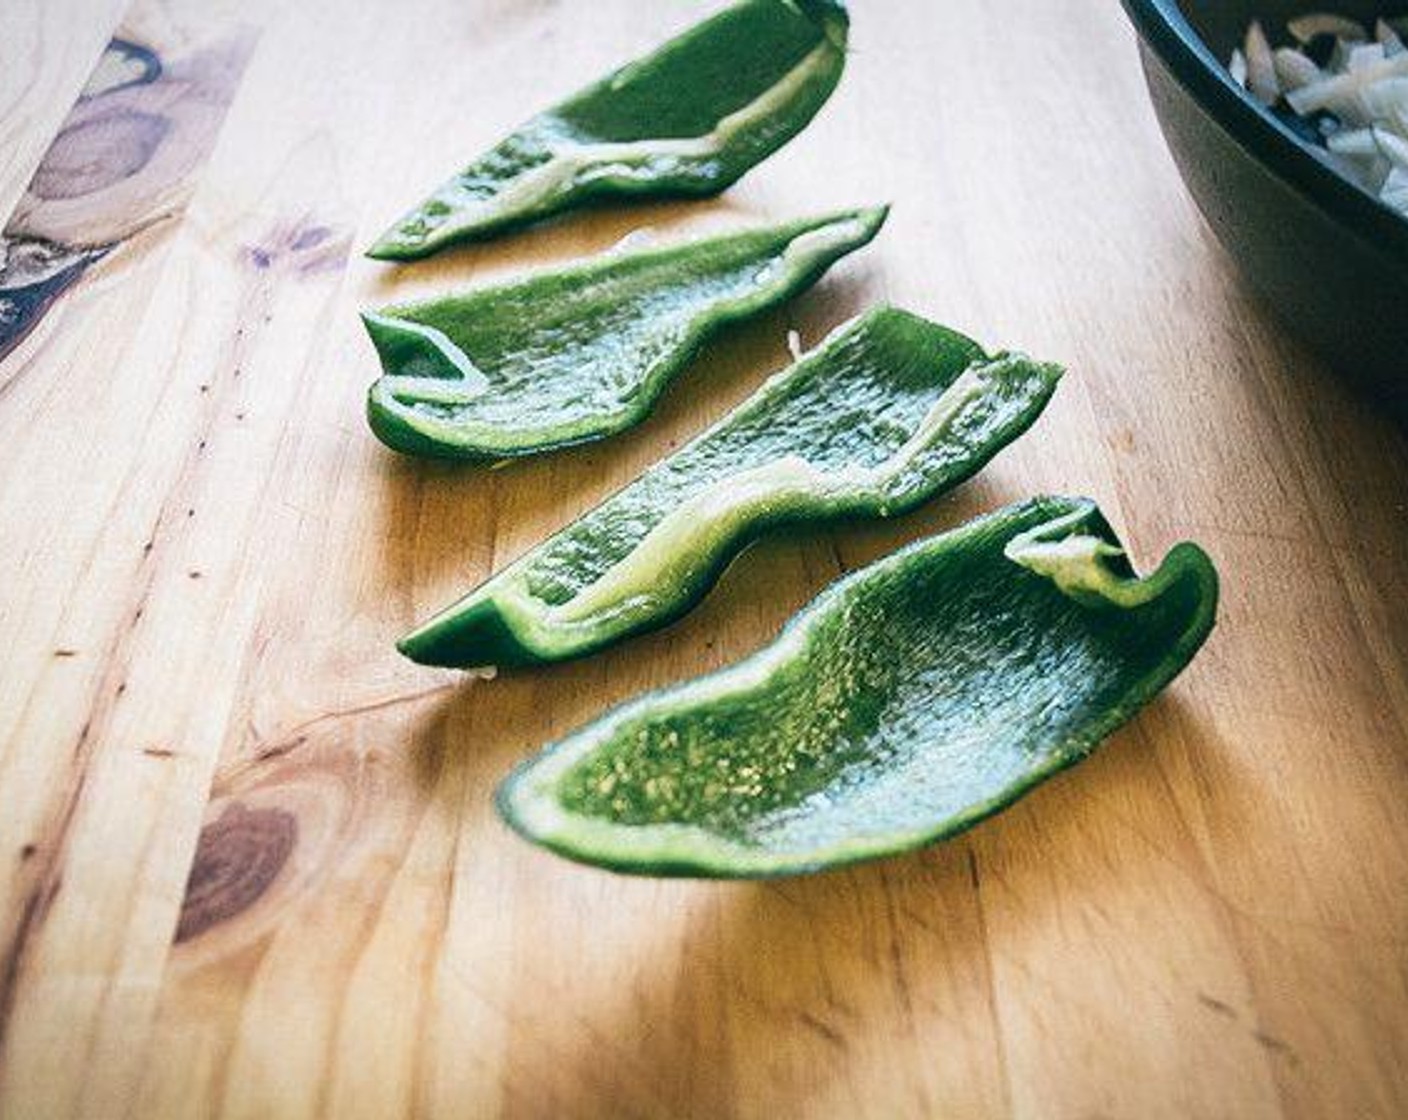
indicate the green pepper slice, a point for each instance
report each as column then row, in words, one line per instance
column 909, row 701
column 580, row 353
column 686, row 120
column 888, row 412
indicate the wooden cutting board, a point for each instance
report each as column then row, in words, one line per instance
column 248, row 863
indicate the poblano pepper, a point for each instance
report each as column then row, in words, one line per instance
column 909, row 701
column 688, row 119
column 888, row 412
column 579, row 353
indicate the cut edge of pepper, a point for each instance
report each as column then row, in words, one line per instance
column 499, row 620
column 396, row 425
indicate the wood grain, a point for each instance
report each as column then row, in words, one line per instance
column 248, row 864
column 123, row 162
column 49, row 51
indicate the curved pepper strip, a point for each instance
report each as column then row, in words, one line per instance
column 580, row 353
column 888, row 412
column 908, row 702
column 689, row 119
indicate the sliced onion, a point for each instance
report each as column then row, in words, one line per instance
column 1391, row 147
column 1392, row 41
column 1357, row 103
column 1340, row 89
column 1383, row 98
column 1294, row 69
column 1305, row 28
column 1238, row 68
column 1395, row 189
column 1261, row 67
column 1364, row 56
column 1353, row 142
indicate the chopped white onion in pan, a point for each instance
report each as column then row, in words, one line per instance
column 1342, row 88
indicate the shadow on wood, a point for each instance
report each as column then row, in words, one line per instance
column 557, row 241
column 796, row 991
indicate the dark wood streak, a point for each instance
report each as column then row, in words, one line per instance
column 30, row 915
column 304, row 249
column 33, row 275
column 1277, row 1046
column 820, row 1027
column 1217, row 1005
column 238, row 857
column 36, row 906
column 42, row 869
column 43, row 890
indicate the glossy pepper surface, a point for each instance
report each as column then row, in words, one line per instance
column 888, row 412
column 688, row 119
column 909, row 701
column 579, row 353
